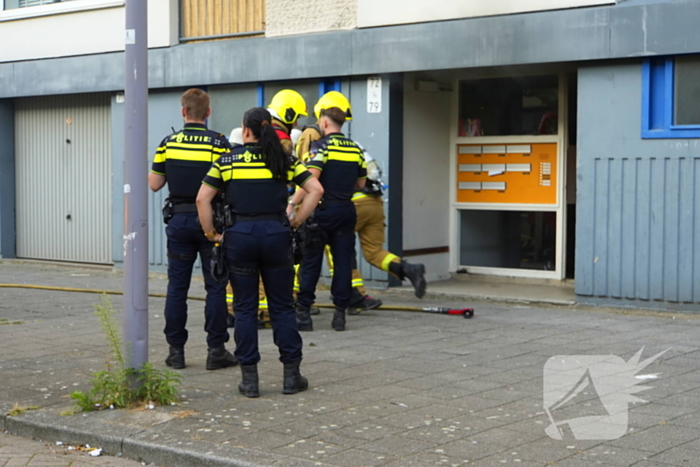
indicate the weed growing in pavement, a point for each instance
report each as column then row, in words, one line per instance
column 5, row 321
column 19, row 410
column 118, row 386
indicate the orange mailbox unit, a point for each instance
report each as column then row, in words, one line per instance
column 507, row 174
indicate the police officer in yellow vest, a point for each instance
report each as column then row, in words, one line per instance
column 339, row 164
column 371, row 230
column 285, row 109
column 359, row 300
column 181, row 161
column 254, row 178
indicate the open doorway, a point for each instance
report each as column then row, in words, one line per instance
column 514, row 172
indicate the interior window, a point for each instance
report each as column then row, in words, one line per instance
column 508, row 239
column 509, row 106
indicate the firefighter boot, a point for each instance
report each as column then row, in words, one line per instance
column 176, row 358
column 413, row 272
column 249, row 384
column 293, row 381
column 314, row 310
column 304, row 321
column 220, row 358
column 338, row 322
column 360, row 303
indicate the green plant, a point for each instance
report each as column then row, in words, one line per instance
column 114, row 386
column 19, row 410
column 158, row 386
column 83, row 401
column 5, row 321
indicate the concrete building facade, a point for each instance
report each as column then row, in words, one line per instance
column 550, row 140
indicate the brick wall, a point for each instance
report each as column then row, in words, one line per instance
column 285, row 17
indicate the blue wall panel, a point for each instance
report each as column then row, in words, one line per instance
column 686, row 230
column 7, row 179
column 638, row 206
column 374, row 132
column 643, row 232
column 163, row 113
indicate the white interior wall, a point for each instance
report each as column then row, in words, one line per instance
column 426, row 142
column 66, row 29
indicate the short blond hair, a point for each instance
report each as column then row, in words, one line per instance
column 196, row 103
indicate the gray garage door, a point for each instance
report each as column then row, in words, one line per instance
column 63, row 170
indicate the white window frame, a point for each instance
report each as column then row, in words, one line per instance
column 55, row 8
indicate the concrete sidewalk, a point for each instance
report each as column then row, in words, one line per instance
column 396, row 389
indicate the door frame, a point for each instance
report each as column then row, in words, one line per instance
column 561, row 139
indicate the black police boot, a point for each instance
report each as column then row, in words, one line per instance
column 176, row 358
column 413, row 272
column 304, row 321
column 249, row 385
column 338, row 322
column 293, row 381
column 314, row 310
column 220, row 358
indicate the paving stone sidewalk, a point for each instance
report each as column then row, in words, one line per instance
column 396, row 389
column 21, row 452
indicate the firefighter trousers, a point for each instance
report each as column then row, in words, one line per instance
column 371, row 227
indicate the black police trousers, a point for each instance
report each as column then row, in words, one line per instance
column 257, row 249
column 336, row 222
column 185, row 241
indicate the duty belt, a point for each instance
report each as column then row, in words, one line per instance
column 335, row 201
column 184, row 208
column 281, row 217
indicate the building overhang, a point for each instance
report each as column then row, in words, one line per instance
column 634, row 28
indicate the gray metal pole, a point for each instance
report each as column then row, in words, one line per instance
column 135, row 186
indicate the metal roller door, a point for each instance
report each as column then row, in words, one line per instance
column 63, row 178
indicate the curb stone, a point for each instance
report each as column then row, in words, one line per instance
column 45, row 427
column 4, row 409
column 132, row 443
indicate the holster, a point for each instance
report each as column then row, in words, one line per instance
column 167, row 211
column 219, row 267
column 312, row 235
column 297, row 247
column 219, row 211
